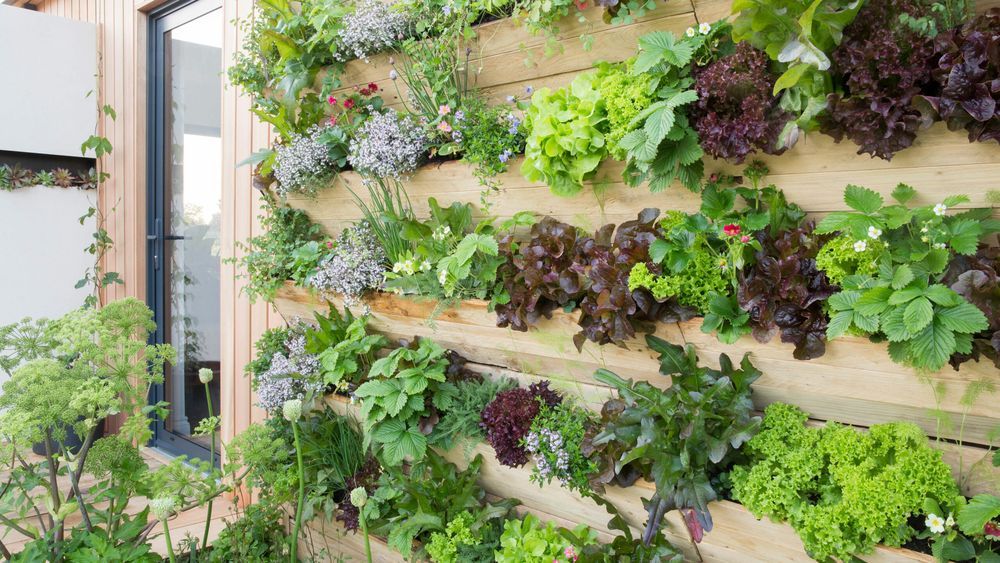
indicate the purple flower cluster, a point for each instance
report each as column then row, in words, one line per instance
column 291, row 375
column 373, row 27
column 356, row 265
column 302, row 162
column 547, row 441
column 388, row 145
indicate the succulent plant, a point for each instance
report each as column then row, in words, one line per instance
column 63, row 178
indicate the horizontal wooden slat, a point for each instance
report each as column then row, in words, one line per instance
column 853, row 383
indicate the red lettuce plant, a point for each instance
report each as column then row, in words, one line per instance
column 882, row 65
column 611, row 311
column 784, row 291
column 537, row 276
column 977, row 279
column 736, row 114
column 507, row 420
column 558, row 268
column 966, row 72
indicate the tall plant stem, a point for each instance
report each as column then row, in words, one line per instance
column 211, row 459
column 170, row 544
column 302, row 494
column 53, row 487
column 364, row 529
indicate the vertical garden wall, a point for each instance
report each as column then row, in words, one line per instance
column 815, row 205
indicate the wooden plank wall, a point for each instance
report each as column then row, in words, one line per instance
column 122, row 30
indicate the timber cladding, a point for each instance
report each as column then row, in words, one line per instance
column 854, row 383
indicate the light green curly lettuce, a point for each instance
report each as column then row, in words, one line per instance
column 565, row 143
column 692, row 287
column 843, row 491
column 839, row 259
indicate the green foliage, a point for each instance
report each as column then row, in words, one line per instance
column 725, row 318
column 924, row 321
column 693, row 286
column 490, row 138
column 403, row 393
column 332, row 451
column 267, row 454
column 257, row 535
column 839, row 260
column 528, row 540
column 565, row 142
column 799, row 35
column 268, row 260
column 27, row 339
column 843, row 491
column 271, row 342
column 657, row 142
column 468, row 538
column 443, row 547
column 449, row 259
column 460, row 423
column 702, row 418
column 625, row 95
column 344, row 347
column 556, row 441
column 414, row 506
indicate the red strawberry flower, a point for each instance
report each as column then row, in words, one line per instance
column 731, row 230
column 992, row 530
column 348, row 103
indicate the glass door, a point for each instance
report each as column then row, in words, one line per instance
column 184, row 207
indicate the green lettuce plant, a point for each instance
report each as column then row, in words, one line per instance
column 565, row 142
column 702, row 418
column 843, row 490
column 924, row 321
column 529, row 540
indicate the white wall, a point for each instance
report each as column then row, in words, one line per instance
column 48, row 65
column 42, row 251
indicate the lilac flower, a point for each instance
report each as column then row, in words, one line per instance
column 529, row 90
column 505, row 156
column 460, row 115
column 294, row 375
column 302, row 163
column 388, row 145
column 373, row 27
column 356, row 265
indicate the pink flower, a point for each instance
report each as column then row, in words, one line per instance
column 372, row 87
column 333, row 120
column 444, row 126
column 570, row 554
column 348, row 103
column 332, row 101
column 444, row 110
column 731, row 229
column 992, row 530
column 744, row 239
column 329, row 244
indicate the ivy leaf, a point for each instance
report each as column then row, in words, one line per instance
column 862, row 199
column 918, row 314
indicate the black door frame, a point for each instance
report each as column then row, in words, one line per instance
column 161, row 21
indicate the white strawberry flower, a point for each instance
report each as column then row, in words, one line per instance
column 690, row 32
column 874, row 232
column 940, row 209
column 704, row 28
column 860, row 246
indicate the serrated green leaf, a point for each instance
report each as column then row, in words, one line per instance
column 902, row 276
column 965, row 318
column 905, row 295
column 843, row 300
column 903, row 193
column 833, row 222
column 918, row 314
column 893, row 326
column 874, row 301
column 862, row 199
column 980, row 510
column 869, row 324
column 964, row 236
column 839, row 323
column 943, row 295
column 931, row 347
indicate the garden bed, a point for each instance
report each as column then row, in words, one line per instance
column 855, row 382
column 737, row 534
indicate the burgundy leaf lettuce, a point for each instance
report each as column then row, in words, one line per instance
column 507, row 420
column 965, row 92
column 977, row 279
column 784, row 292
column 882, row 64
column 736, row 114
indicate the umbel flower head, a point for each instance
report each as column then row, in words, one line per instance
column 359, row 497
column 162, row 507
column 205, row 375
column 292, row 410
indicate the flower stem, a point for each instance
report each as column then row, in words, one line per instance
column 364, row 528
column 302, row 494
column 211, row 460
column 170, row 545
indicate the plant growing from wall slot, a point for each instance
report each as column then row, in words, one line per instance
column 96, row 275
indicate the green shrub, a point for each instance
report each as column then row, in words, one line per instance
column 529, row 540
column 843, row 491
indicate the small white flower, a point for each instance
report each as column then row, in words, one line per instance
column 874, row 233
column 441, row 233
column 292, row 410
column 690, row 32
column 205, row 375
column 443, row 276
column 935, row 523
column 704, row 28
column 925, row 239
column 860, row 246
column 924, row 230
column 162, row 507
column 939, row 245
column 940, row 209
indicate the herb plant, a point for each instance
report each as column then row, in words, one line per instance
column 302, row 163
column 371, row 28
column 507, row 420
column 703, row 418
column 555, row 441
column 401, row 398
column 388, row 145
column 355, row 264
column 529, row 540
column 343, row 347
column 882, row 476
column 565, row 135
column 489, row 137
column 460, row 424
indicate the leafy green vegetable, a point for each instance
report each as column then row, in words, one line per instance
column 343, row 346
column 565, row 141
column 528, row 540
